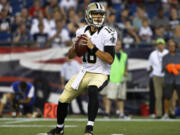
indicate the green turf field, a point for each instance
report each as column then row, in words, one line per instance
column 75, row 126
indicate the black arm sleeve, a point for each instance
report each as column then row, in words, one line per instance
column 110, row 50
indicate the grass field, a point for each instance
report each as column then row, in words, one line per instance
column 75, row 126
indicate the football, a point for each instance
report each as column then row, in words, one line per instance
column 79, row 48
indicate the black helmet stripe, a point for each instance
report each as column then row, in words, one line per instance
column 97, row 5
column 100, row 6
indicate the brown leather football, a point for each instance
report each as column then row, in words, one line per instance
column 79, row 48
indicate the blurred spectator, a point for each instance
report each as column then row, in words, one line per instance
column 22, row 34
column 15, row 24
column 81, row 16
column 82, row 7
column 41, row 37
column 165, row 5
column 160, row 19
column 48, row 25
column 178, row 48
column 155, row 63
column 173, row 3
column 71, row 14
column 151, row 94
column 25, row 18
column 129, row 35
column 75, row 19
column 116, row 89
column 124, row 17
column 145, row 31
column 176, row 34
column 111, row 21
column 60, row 36
column 50, row 6
column 4, row 4
column 152, row 6
column 67, row 4
column 178, row 9
column 69, row 69
column 42, row 92
column 73, row 25
column 139, row 16
column 50, row 22
column 173, row 18
column 33, row 11
column 23, row 94
column 57, row 15
column 5, row 22
column 159, row 32
column 172, row 76
column 5, row 26
column 109, row 3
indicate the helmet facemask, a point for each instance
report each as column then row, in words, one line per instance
column 95, row 16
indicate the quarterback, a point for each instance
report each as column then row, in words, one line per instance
column 93, row 76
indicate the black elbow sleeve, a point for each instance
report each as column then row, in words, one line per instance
column 110, row 50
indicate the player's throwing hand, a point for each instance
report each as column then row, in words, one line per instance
column 87, row 41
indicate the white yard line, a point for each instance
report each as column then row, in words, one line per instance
column 116, row 134
column 38, row 126
column 18, row 120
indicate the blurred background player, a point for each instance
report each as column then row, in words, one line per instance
column 172, row 76
column 151, row 94
column 116, row 89
column 69, row 69
column 155, row 62
column 42, row 93
column 23, row 94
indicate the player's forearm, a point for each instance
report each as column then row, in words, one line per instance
column 105, row 56
column 72, row 53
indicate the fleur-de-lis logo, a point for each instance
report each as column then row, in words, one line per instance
column 112, row 38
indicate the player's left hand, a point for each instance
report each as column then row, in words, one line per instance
column 87, row 41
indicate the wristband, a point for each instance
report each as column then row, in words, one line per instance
column 95, row 49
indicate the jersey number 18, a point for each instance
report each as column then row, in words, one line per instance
column 89, row 57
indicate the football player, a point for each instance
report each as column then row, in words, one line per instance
column 93, row 76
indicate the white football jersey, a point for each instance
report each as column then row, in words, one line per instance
column 106, row 36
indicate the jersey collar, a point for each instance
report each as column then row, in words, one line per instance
column 88, row 28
